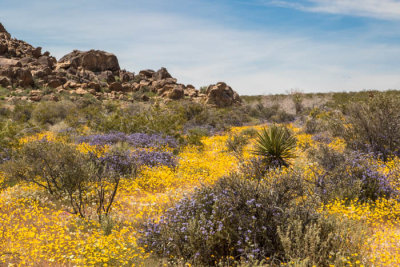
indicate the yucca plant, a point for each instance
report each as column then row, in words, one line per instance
column 276, row 146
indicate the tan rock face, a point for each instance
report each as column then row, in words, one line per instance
column 222, row 95
column 161, row 74
column 81, row 91
column 7, row 62
column 93, row 60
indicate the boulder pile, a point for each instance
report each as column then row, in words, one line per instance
column 94, row 72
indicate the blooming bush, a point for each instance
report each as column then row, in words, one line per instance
column 238, row 219
column 135, row 139
column 350, row 175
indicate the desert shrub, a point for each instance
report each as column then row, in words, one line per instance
column 244, row 221
column 314, row 124
column 297, row 98
column 22, row 112
column 273, row 113
column 282, row 117
column 195, row 135
column 56, row 167
column 375, row 125
column 203, row 89
column 9, row 134
column 262, row 111
column 4, row 111
column 249, row 132
column 52, row 112
column 276, row 146
column 349, row 176
column 142, row 140
column 219, row 118
column 69, row 176
column 86, row 101
column 325, row 241
column 236, row 143
column 155, row 119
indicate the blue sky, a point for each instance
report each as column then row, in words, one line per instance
column 256, row 46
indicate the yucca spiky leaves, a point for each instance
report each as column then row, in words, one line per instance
column 276, row 145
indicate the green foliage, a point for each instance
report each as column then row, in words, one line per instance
column 22, row 112
column 195, row 135
column 52, row 112
column 276, row 146
column 236, row 143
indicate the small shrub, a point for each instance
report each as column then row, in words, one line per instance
column 195, row 135
column 325, row 241
column 51, row 112
column 236, row 143
column 203, row 89
column 297, row 98
column 22, row 112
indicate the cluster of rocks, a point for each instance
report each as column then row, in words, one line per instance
column 93, row 72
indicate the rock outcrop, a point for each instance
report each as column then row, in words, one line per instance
column 222, row 95
column 93, row 60
column 93, row 72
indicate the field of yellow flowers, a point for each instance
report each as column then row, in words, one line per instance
column 37, row 232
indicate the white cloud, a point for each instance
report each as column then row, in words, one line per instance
column 381, row 9
column 200, row 51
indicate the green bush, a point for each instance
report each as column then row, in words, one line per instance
column 22, row 112
column 52, row 112
column 195, row 135
column 236, row 143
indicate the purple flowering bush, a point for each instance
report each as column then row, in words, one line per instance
column 143, row 140
column 350, row 175
column 235, row 220
column 153, row 158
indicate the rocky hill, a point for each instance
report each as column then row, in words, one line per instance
column 93, row 72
